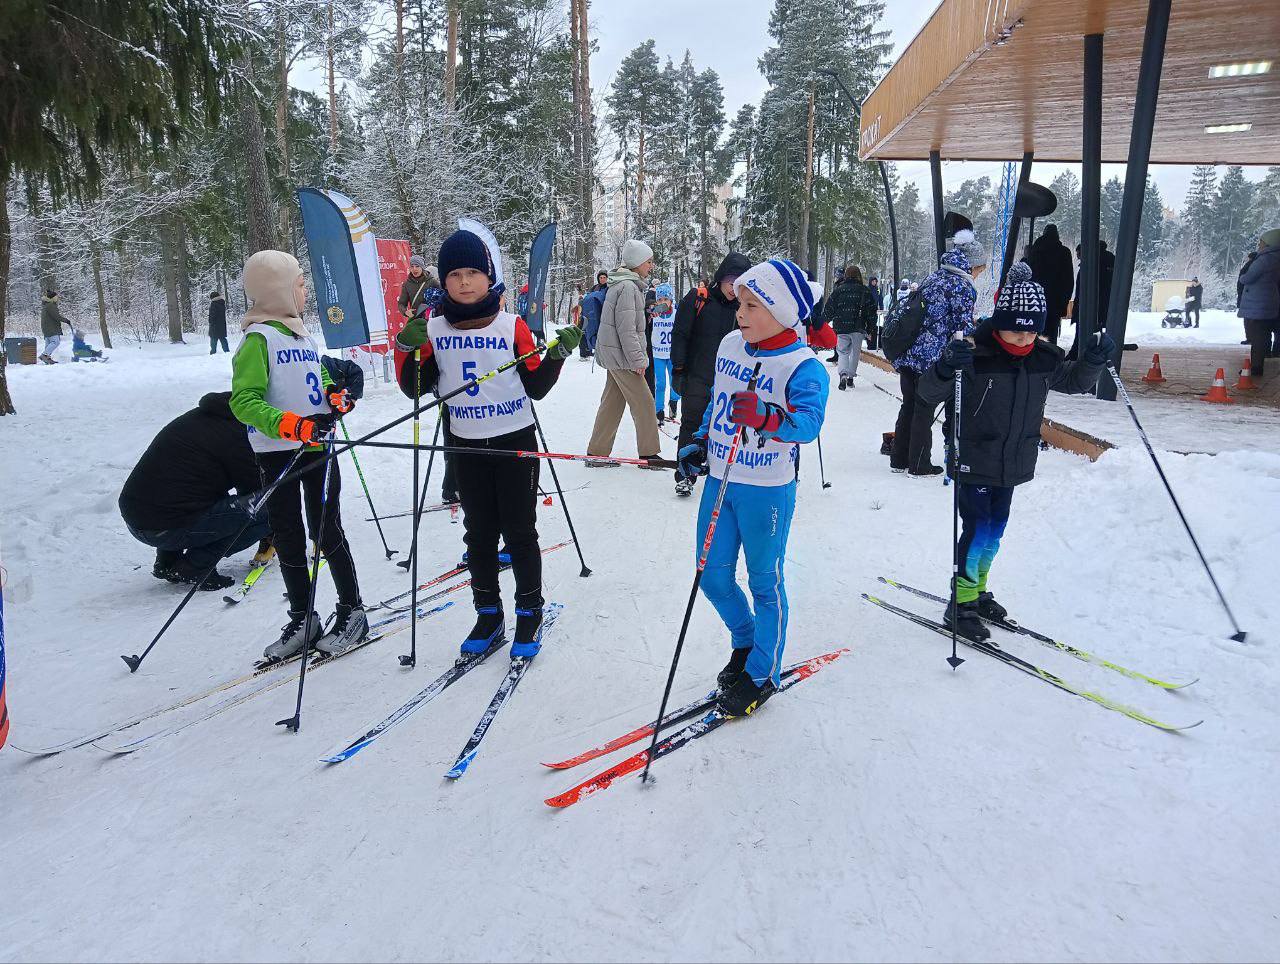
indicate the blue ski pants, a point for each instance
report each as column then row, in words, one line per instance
column 984, row 513
column 662, row 381
column 755, row 519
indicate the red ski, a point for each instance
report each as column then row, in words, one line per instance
column 700, row 727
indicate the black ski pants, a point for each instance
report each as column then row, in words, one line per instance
column 500, row 501
column 913, row 433
column 285, row 508
column 695, row 396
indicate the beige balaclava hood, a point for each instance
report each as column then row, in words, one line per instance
column 269, row 277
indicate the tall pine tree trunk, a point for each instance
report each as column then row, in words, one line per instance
column 96, row 253
column 333, row 84
column 399, row 53
column 182, row 262
column 169, row 269
column 282, row 115
column 6, row 403
column 262, row 218
column 451, row 55
column 640, row 180
column 580, row 268
column 586, row 123
column 805, row 255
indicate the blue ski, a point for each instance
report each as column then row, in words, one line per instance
column 508, row 686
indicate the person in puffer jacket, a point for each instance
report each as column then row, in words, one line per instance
column 949, row 295
column 1008, row 372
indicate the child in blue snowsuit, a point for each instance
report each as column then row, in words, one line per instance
column 664, row 322
column 784, row 409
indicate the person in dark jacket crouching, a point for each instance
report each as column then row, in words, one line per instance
column 1008, row 373
column 176, row 498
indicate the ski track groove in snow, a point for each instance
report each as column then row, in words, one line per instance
column 890, row 809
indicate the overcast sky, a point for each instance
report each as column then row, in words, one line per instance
column 730, row 35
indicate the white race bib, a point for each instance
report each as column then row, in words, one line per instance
column 774, row 463
column 661, row 341
column 496, row 406
column 294, row 382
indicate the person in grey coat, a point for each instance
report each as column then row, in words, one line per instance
column 51, row 322
column 622, row 351
column 217, row 322
column 1259, row 304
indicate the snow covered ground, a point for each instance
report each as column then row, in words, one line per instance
column 1217, row 327
column 886, row 809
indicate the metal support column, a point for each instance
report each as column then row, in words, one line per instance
column 893, row 224
column 935, row 172
column 1090, row 190
column 1135, row 180
column 1011, row 242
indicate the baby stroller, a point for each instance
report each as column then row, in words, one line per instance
column 81, row 350
column 1174, row 316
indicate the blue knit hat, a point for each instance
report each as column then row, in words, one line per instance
column 462, row 249
column 1021, row 305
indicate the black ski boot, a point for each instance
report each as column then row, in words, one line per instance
column 742, row 696
column 184, row 571
column 672, row 408
column 166, row 559
column 489, row 627
column 988, row 608
column 968, row 623
column 528, row 639
column 737, row 663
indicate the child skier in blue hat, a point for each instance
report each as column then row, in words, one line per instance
column 784, row 409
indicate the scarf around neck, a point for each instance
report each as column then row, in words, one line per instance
column 486, row 307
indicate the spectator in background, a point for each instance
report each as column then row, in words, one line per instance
column 592, row 306
column 1052, row 269
column 417, row 289
column 1106, row 269
column 217, row 323
column 851, row 312
column 1193, row 299
column 622, row 351
column 51, row 322
column 1259, row 306
column 949, row 295
column 876, row 294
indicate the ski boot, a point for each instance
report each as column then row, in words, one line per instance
column 166, row 559
column 672, row 408
column 988, row 608
column 968, row 623
column 662, row 416
column 528, row 639
column 184, row 571
column 844, row 382
column 684, row 488
column 886, row 443
column 490, row 626
column 349, row 628
column 654, row 468
column 743, row 696
column 297, row 633
column 737, row 663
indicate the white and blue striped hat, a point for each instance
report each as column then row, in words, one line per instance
column 784, row 288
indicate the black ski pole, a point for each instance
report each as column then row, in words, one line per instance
column 368, row 497
column 1239, row 635
column 955, row 659
column 416, row 511
column 411, row 659
column 295, row 721
column 697, row 580
column 253, row 506
column 560, row 492
column 822, row 472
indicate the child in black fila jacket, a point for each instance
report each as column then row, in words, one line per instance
column 467, row 336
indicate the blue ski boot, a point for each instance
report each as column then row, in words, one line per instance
column 488, row 629
column 528, row 633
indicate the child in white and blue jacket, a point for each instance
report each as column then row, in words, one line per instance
column 784, row 410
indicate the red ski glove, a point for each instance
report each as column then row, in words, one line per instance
column 747, row 408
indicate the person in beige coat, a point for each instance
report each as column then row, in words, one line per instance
column 621, row 352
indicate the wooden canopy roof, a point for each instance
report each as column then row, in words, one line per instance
column 959, row 90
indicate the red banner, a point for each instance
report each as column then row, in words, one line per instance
column 393, row 266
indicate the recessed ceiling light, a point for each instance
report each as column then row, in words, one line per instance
column 1228, row 128
column 1240, row 70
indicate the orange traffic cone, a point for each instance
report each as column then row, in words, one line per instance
column 1246, row 381
column 1154, row 376
column 1218, row 391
